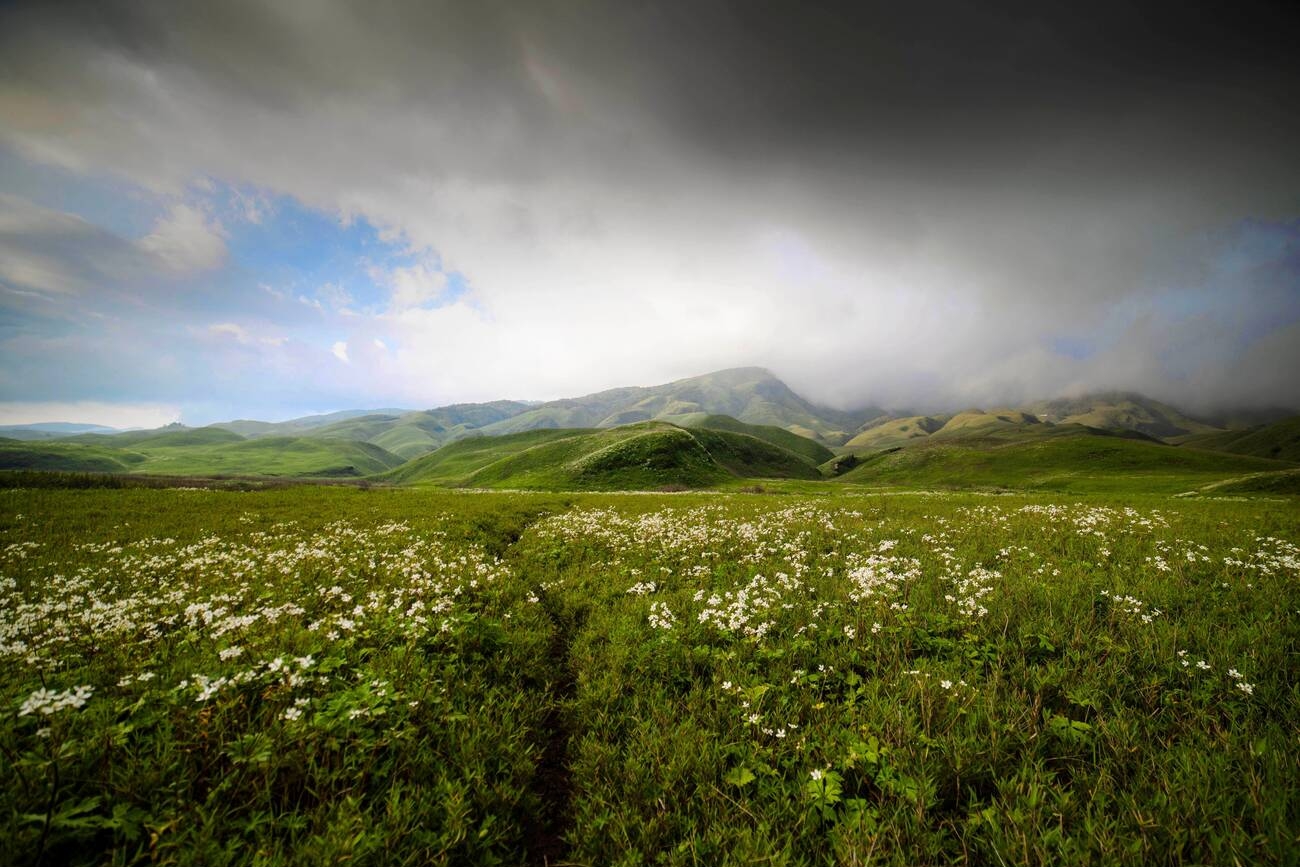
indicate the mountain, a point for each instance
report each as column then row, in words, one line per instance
column 253, row 428
column 51, row 430
column 749, row 394
column 1115, row 413
column 1064, row 461
column 638, row 456
column 200, row 452
column 411, row 434
column 1120, row 410
column 1280, row 441
column 812, row 451
column 888, row 432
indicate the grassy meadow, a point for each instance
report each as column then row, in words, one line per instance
column 316, row 675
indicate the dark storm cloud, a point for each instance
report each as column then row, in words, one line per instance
column 911, row 203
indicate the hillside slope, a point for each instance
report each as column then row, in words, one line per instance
column 1119, row 410
column 748, row 394
column 813, row 451
column 1279, row 441
column 1068, row 462
column 643, row 456
column 202, row 452
column 888, row 433
column 412, row 434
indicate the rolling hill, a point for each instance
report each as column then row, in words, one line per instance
column 889, row 432
column 645, row 455
column 1069, row 461
column 749, row 394
column 293, row 427
column 813, row 451
column 411, row 434
column 201, row 452
column 51, row 430
column 1119, row 411
column 1279, row 441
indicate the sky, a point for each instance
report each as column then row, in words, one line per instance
column 265, row 210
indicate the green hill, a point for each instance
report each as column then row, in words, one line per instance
column 813, row 451
column 1064, row 462
column 1119, row 410
column 202, row 452
column 890, row 432
column 643, row 456
column 297, row 426
column 981, row 423
column 65, row 456
column 748, row 394
column 411, row 434
column 455, row 462
column 1279, row 441
column 1280, row 482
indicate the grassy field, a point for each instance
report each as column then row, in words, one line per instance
column 409, row 676
column 1091, row 464
column 201, row 452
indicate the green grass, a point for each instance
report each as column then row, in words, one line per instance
column 1279, row 441
column 811, row 450
column 416, row 676
column 69, row 457
column 644, row 456
column 1061, row 462
column 895, row 432
column 204, row 452
column 455, row 463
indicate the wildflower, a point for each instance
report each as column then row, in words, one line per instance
column 49, row 702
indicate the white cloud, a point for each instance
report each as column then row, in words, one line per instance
column 413, row 286
column 118, row 415
column 229, row 329
column 340, row 350
column 186, row 240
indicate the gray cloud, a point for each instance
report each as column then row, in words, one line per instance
column 910, row 205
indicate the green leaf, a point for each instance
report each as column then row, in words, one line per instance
column 739, row 776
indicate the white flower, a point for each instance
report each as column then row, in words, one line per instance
column 48, row 702
column 292, row 713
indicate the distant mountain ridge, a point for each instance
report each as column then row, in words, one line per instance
column 718, row 429
column 751, row 395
